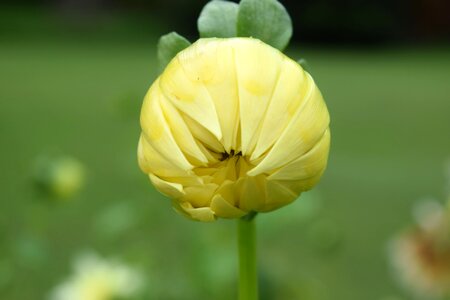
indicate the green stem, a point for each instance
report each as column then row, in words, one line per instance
column 248, row 276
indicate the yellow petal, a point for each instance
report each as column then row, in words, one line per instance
column 157, row 132
column 298, row 186
column 228, row 192
column 257, row 67
column 243, row 167
column 190, row 95
column 308, row 165
column 224, row 209
column 170, row 189
column 251, row 191
column 289, row 93
column 205, row 171
column 302, row 133
column 225, row 170
column 224, row 202
column 199, row 195
column 212, row 157
column 204, row 214
column 278, row 195
column 190, row 179
column 215, row 67
column 203, row 135
column 151, row 161
column 181, row 133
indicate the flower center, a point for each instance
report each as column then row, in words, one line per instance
column 231, row 166
column 226, row 155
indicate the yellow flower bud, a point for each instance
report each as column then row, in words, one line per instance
column 60, row 177
column 233, row 126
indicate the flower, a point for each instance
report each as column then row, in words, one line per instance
column 96, row 278
column 421, row 255
column 233, row 126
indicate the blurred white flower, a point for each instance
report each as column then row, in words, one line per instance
column 421, row 255
column 96, row 278
column 428, row 214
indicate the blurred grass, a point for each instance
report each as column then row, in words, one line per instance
column 80, row 95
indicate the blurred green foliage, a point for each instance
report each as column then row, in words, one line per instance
column 81, row 94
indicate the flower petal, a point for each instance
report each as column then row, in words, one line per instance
column 289, row 93
column 170, row 189
column 278, row 195
column 212, row 157
column 157, row 132
column 203, row 135
column 181, row 133
column 191, row 179
column 302, row 133
column 223, row 209
column 251, row 193
column 199, row 195
column 151, row 161
column 189, row 94
column 308, row 165
column 221, row 85
column 204, row 214
column 257, row 67
column 298, row 186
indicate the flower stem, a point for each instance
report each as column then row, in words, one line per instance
column 248, row 276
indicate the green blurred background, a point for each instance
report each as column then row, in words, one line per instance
column 72, row 78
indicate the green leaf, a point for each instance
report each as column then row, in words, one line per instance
column 266, row 20
column 168, row 46
column 218, row 19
